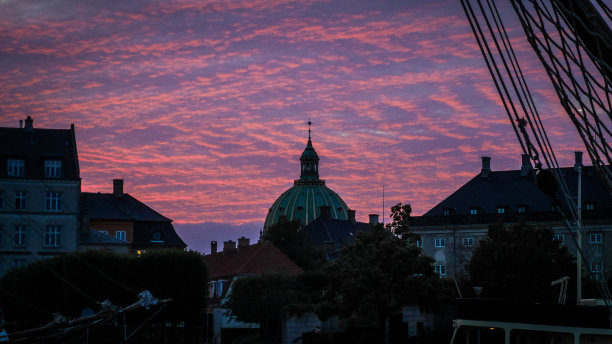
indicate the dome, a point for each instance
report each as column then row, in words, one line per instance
column 309, row 193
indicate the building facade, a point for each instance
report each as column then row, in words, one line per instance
column 451, row 230
column 39, row 193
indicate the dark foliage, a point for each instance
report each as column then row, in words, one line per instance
column 519, row 262
column 69, row 283
column 295, row 244
column 265, row 299
column 377, row 275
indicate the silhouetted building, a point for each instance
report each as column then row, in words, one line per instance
column 125, row 218
column 39, row 193
column 451, row 230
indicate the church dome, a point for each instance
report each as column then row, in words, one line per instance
column 309, row 193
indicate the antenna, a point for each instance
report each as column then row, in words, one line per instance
column 383, row 209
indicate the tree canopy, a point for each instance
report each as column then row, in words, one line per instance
column 519, row 262
column 377, row 275
column 69, row 283
column 288, row 237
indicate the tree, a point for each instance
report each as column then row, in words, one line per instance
column 265, row 299
column 377, row 275
column 69, row 283
column 400, row 224
column 519, row 262
column 288, row 237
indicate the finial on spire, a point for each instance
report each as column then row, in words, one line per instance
column 309, row 123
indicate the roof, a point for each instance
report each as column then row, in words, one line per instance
column 341, row 232
column 259, row 258
column 94, row 237
column 149, row 233
column 34, row 146
column 108, row 207
column 510, row 190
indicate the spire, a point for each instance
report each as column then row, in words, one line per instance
column 309, row 161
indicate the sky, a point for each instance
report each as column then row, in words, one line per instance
column 201, row 106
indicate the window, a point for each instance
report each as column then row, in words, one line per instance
column 53, row 168
column 18, row 262
column 53, row 236
column 589, row 206
column 468, row 242
column 501, row 210
column 53, row 201
column 418, row 243
column 156, row 237
column 596, row 269
column 474, row 211
column 521, row 209
column 560, row 238
column 120, row 235
column 19, row 235
column 300, row 208
column 440, row 242
column 440, row 270
column 15, row 168
column 21, row 200
column 103, row 232
column 595, row 238
column 447, row 211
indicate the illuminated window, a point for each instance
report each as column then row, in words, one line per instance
column 501, row 210
column 474, row 211
column 53, row 201
column 53, row 236
column 53, row 168
column 468, row 242
column 440, row 242
column 15, row 168
column 120, row 235
column 589, row 206
column 560, row 238
column 440, row 270
column 21, row 200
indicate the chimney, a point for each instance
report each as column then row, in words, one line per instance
column 577, row 160
column 213, row 247
column 229, row 246
column 486, row 167
column 325, row 212
column 118, row 188
column 29, row 124
column 85, row 222
column 20, row 124
column 373, row 219
column 525, row 165
column 243, row 242
column 351, row 215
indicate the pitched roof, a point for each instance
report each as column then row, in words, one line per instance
column 108, row 207
column 94, row 237
column 36, row 145
column 341, row 232
column 259, row 258
column 155, row 233
column 510, row 189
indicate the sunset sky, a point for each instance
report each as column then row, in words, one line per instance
column 201, row 106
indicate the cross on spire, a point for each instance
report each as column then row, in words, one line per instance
column 309, row 123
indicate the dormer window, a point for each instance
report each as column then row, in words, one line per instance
column 474, row 211
column 53, row 168
column 15, row 167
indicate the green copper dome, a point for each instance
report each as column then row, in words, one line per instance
column 302, row 201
